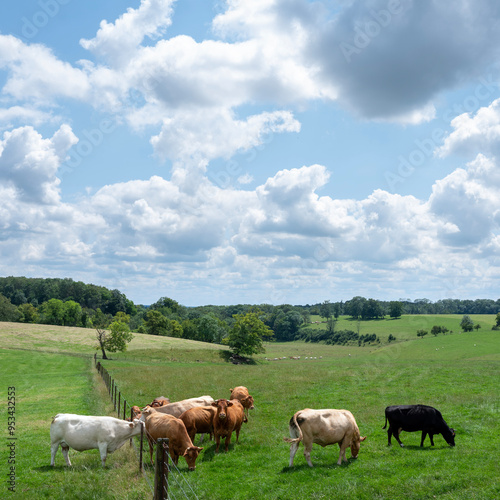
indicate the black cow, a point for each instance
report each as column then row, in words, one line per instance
column 412, row 418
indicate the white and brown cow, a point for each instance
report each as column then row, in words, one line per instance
column 241, row 394
column 159, row 401
column 85, row 432
column 179, row 407
column 324, row 427
column 160, row 425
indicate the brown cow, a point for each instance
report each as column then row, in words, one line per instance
column 241, row 394
column 199, row 420
column 324, row 427
column 179, row 407
column 159, row 401
column 136, row 412
column 229, row 418
column 159, row 425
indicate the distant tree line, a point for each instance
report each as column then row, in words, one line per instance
column 74, row 303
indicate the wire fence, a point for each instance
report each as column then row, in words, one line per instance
column 169, row 481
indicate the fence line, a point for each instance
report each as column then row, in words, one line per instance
column 166, row 474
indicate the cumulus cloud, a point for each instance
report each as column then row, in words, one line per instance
column 389, row 59
column 115, row 42
column 472, row 133
column 29, row 163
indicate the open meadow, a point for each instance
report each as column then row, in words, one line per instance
column 456, row 373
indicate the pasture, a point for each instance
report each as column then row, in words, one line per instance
column 458, row 374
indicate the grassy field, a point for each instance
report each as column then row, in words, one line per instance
column 456, row 373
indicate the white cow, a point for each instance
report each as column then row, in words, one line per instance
column 85, row 432
column 179, row 407
column 324, row 427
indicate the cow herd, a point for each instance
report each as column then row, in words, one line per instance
column 180, row 422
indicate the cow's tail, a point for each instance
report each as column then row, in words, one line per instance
column 294, row 428
column 385, row 425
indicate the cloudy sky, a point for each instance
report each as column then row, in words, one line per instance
column 264, row 151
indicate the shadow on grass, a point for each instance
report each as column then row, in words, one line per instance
column 318, row 466
column 230, row 357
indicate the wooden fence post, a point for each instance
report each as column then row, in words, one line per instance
column 161, row 470
column 118, row 406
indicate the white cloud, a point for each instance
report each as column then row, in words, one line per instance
column 115, row 42
column 480, row 132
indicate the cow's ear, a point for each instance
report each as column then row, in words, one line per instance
column 229, row 403
column 199, row 449
column 131, row 425
column 362, row 439
column 214, row 403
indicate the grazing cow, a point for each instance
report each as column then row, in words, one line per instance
column 159, row 401
column 324, row 427
column 160, row 425
column 179, row 407
column 136, row 412
column 84, row 432
column 228, row 418
column 241, row 394
column 412, row 418
column 199, row 420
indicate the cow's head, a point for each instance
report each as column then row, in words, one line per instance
column 191, row 454
column 222, row 406
column 146, row 412
column 355, row 446
column 161, row 401
column 449, row 436
column 248, row 402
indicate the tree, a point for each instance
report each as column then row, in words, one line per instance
column 247, row 334
column 395, row 309
column 325, row 309
column 466, row 324
column 422, row 333
column 8, row 311
column 53, row 312
column 28, row 313
column 391, row 338
column 116, row 338
column 477, row 326
column 156, row 323
column 72, row 313
column 497, row 320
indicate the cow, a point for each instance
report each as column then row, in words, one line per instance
column 241, row 394
column 85, row 432
column 159, row 401
column 160, row 425
column 199, row 420
column 136, row 414
column 324, row 427
column 412, row 418
column 179, row 407
column 228, row 418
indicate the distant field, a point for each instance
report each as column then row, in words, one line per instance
column 407, row 326
column 456, row 373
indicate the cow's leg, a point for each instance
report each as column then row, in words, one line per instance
column 293, row 449
column 217, row 442
column 431, row 436
column 65, row 452
column 307, row 452
column 201, row 438
column 103, row 450
column 424, row 434
column 53, row 450
column 228, row 440
column 343, row 446
column 237, row 430
column 150, row 443
column 389, row 435
column 396, row 435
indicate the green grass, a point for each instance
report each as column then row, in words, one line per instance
column 448, row 372
column 406, row 327
column 47, row 384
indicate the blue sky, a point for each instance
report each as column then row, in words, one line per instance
column 273, row 151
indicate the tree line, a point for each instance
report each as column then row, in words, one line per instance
column 74, row 303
